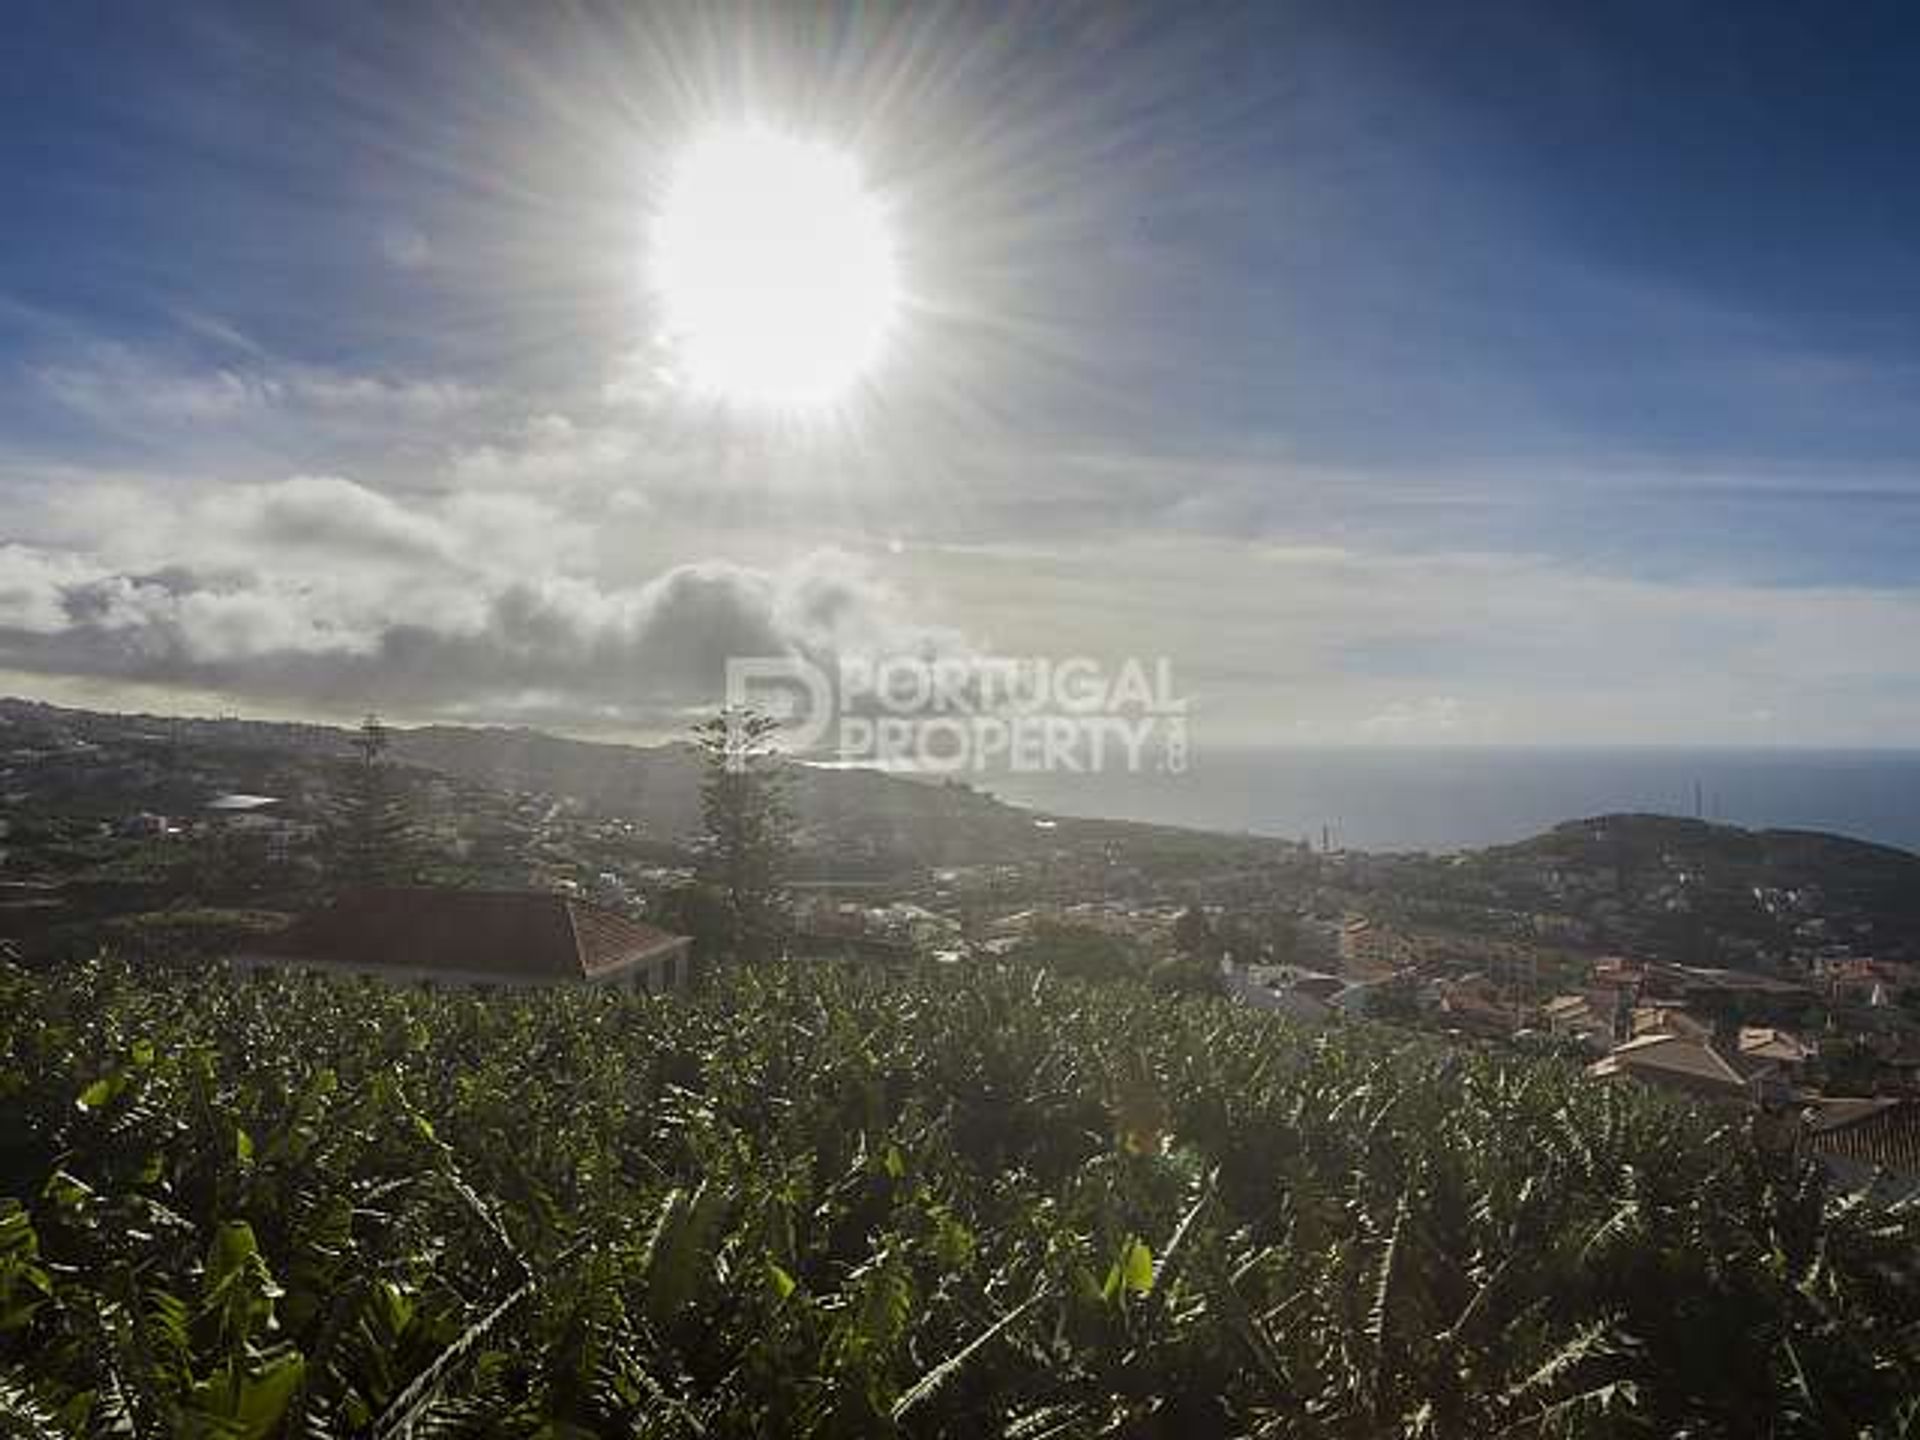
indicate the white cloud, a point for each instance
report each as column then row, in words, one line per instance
column 1435, row 717
column 331, row 514
column 1311, row 643
column 117, row 386
column 31, row 586
column 318, row 590
column 375, row 394
column 547, row 449
column 594, row 597
column 405, row 246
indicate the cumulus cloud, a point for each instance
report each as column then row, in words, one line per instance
column 317, row 590
column 327, row 513
column 559, row 603
column 547, row 449
column 33, row 589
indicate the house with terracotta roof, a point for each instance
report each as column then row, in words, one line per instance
column 1472, row 1006
column 1668, row 1017
column 480, row 938
column 1369, row 951
column 1869, row 1143
column 1576, row 1016
column 1675, row 1062
column 1776, row 1047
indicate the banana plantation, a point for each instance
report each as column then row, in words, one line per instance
column 819, row 1203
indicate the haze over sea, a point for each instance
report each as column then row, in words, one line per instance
column 1442, row 799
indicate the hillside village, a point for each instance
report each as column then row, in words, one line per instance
column 1774, row 973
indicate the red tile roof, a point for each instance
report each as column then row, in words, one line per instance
column 1884, row 1132
column 517, row 935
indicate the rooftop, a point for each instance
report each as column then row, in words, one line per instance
column 517, row 935
column 1875, row 1131
column 1677, row 1057
column 1766, row 1043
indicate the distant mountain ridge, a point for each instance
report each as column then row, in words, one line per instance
column 929, row 822
column 655, row 785
column 660, row 784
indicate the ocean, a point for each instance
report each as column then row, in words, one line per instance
column 1445, row 799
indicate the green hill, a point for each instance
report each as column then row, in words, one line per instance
column 1760, row 886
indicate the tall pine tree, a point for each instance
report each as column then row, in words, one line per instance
column 374, row 840
column 748, row 828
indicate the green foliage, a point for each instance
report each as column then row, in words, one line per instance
column 1186, row 975
column 749, row 827
column 1849, row 1065
column 372, row 837
column 818, row 1202
column 1080, row 952
column 699, row 911
column 1193, row 934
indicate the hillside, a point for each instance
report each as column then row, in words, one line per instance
column 853, row 821
column 506, row 807
column 1767, row 888
column 659, row 785
column 817, row 1203
column 1637, row 845
column 888, row 818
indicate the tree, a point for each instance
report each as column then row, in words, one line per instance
column 1187, row 974
column 1193, row 935
column 1849, row 1066
column 749, row 826
column 1242, row 937
column 696, row 910
column 373, row 840
column 1080, row 951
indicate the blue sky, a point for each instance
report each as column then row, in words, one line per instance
column 1371, row 360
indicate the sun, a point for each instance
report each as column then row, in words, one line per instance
column 772, row 269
